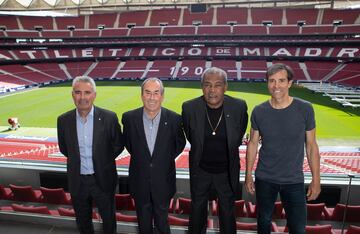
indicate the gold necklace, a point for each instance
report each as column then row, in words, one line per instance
column 217, row 125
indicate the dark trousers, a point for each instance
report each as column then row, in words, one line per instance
column 201, row 186
column 83, row 206
column 294, row 202
column 151, row 212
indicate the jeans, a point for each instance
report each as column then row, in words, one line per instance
column 294, row 202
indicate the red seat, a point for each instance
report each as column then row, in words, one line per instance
column 319, row 229
column 315, row 211
column 25, row 193
column 33, row 209
column 183, row 205
column 240, row 210
column 253, row 226
column 177, row 221
column 278, row 211
column 125, row 218
column 353, row 230
column 251, row 210
column 124, row 202
column 5, row 193
column 337, row 213
column 71, row 213
column 171, row 206
column 55, row 196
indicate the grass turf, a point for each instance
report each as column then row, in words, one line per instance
column 40, row 107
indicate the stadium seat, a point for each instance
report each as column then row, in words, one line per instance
column 171, row 206
column 25, row 193
column 125, row 218
column 124, row 202
column 33, row 209
column 315, row 211
column 71, row 213
column 352, row 229
column 183, row 205
column 251, row 209
column 279, row 212
column 319, row 229
column 5, row 193
column 240, row 210
column 55, row 196
column 253, row 226
column 337, row 213
column 177, row 221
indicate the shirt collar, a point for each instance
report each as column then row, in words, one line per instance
column 91, row 113
column 154, row 119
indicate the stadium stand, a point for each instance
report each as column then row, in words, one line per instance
column 122, row 45
column 66, row 22
column 178, row 221
column 55, row 196
column 25, row 193
column 183, row 205
column 165, row 17
column 179, row 30
column 307, row 16
column 337, row 213
column 319, row 229
column 261, row 15
column 145, row 31
column 5, row 193
column 136, row 18
column 107, row 20
column 315, row 211
column 30, row 22
column 190, row 18
column 240, row 209
column 232, row 15
column 124, row 202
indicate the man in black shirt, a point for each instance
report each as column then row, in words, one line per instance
column 214, row 125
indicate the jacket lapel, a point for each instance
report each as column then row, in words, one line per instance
column 229, row 125
column 73, row 132
column 161, row 130
column 97, row 121
column 139, row 123
column 200, row 120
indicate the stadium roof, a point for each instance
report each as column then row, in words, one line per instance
column 77, row 7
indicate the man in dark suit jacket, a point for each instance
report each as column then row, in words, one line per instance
column 91, row 139
column 214, row 125
column 154, row 138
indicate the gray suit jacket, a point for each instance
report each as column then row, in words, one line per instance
column 236, row 120
column 107, row 144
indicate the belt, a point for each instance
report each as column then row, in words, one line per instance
column 88, row 174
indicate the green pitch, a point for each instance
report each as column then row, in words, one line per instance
column 40, row 107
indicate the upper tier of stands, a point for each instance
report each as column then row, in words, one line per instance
column 183, row 17
column 188, row 69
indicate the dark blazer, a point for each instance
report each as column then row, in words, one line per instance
column 236, row 120
column 156, row 173
column 108, row 143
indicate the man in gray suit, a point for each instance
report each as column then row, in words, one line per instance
column 214, row 124
column 154, row 138
column 91, row 139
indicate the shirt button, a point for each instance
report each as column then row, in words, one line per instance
column 151, row 165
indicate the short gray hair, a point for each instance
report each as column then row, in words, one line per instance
column 86, row 79
column 214, row 70
column 162, row 90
